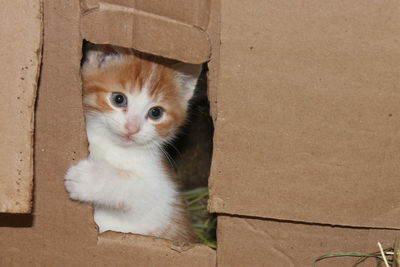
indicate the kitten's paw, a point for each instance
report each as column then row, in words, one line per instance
column 79, row 181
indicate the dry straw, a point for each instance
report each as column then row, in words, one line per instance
column 203, row 222
column 384, row 257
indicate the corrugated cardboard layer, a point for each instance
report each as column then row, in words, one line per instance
column 62, row 232
column 308, row 123
column 253, row 242
column 21, row 36
column 128, row 26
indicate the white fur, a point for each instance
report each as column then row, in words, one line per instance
column 125, row 180
column 138, row 199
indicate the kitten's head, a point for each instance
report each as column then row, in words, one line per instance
column 135, row 99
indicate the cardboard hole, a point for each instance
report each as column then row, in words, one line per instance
column 191, row 151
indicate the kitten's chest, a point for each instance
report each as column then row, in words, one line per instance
column 140, row 162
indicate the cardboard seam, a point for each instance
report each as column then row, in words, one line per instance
column 305, row 222
column 39, row 54
column 207, row 36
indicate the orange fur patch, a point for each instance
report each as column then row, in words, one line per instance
column 100, row 104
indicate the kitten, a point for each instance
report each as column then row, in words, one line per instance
column 134, row 104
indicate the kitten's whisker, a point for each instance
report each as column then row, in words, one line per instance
column 170, row 143
column 169, row 158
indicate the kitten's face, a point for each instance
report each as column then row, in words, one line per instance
column 134, row 101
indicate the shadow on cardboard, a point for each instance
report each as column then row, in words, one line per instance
column 16, row 220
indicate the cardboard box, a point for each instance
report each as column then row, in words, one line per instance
column 306, row 151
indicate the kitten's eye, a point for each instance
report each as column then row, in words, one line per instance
column 119, row 100
column 155, row 113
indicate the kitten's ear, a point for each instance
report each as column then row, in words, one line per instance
column 99, row 56
column 187, row 76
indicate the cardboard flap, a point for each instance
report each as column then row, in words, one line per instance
column 21, row 36
column 145, row 31
column 308, row 112
column 194, row 12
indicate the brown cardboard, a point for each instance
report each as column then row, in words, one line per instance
column 21, row 37
column 61, row 232
column 255, row 242
column 307, row 125
column 150, row 27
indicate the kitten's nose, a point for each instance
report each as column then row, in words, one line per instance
column 132, row 128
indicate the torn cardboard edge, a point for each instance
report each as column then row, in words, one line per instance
column 130, row 239
column 106, row 23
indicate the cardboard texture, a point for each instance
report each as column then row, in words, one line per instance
column 174, row 29
column 307, row 125
column 257, row 242
column 61, row 232
column 21, row 44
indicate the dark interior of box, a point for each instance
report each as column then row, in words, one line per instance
column 192, row 150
